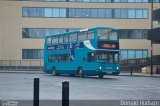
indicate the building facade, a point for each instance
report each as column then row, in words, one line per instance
column 23, row 24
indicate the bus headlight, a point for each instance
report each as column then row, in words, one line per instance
column 117, row 67
column 100, row 67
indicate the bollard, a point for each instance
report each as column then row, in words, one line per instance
column 131, row 71
column 36, row 92
column 65, row 93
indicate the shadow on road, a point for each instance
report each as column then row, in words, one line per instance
column 85, row 77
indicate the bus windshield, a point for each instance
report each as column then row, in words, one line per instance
column 107, row 58
column 107, row 34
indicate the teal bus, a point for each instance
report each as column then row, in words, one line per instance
column 86, row 52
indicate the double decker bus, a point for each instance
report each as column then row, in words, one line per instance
column 92, row 51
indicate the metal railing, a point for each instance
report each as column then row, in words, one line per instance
column 22, row 64
column 140, row 62
column 135, row 62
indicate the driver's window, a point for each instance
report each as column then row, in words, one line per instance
column 91, row 57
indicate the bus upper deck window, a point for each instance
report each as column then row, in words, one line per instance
column 73, row 37
column 82, row 36
column 60, row 39
column 103, row 33
column 90, row 35
column 66, row 39
column 113, row 35
column 54, row 40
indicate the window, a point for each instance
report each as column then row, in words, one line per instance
column 73, row 38
column 91, row 57
column 32, row 53
column 101, row 0
column 42, row 32
column 124, row 13
column 48, row 12
column 84, row 12
column 72, row 13
column 117, row 0
column 139, row 54
column 86, row 0
column 101, row 13
column 62, row 13
column 33, row 32
column 145, row 53
column 90, row 35
column 54, row 40
column 134, row 54
column 40, row 12
column 117, row 13
column 103, row 33
column 60, row 39
column 65, row 38
column 25, row 33
column 145, row 14
column 25, row 12
column 145, row 1
column 48, row 41
column 131, row 54
column 131, row 1
column 48, row 32
column 124, row 54
column 94, row 13
column 113, row 35
column 93, row 0
column 138, row 1
column 108, row 13
column 32, row 12
column 124, row 1
column 58, row 58
column 139, row 13
column 131, row 13
column 79, row 13
column 55, row 12
column 82, row 36
column 133, row 34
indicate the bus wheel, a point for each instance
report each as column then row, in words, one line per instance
column 54, row 70
column 100, row 75
column 80, row 72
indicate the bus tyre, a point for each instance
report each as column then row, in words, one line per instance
column 80, row 72
column 54, row 70
column 100, row 75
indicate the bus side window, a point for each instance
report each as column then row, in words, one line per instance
column 113, row 35
column 90, row 35
column 64, row 57
column 54, row 40
column 66, row 39
column 73, row 38
column 82, row 36
column 60, row 39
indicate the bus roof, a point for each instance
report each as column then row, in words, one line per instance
column 77, row 31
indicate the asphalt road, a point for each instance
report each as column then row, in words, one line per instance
column 19, row 86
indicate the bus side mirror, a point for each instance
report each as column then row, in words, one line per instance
column 84, row 59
